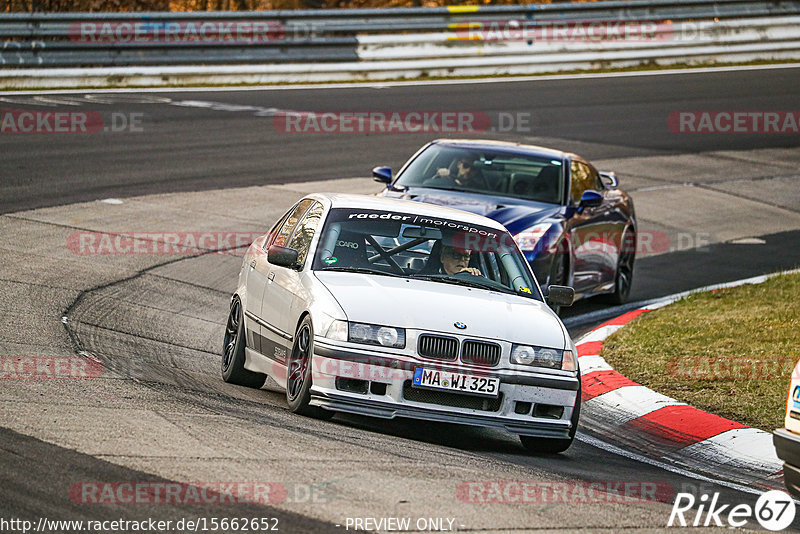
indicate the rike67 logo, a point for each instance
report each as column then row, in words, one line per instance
column 774, row 510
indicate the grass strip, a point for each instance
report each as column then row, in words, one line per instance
column 730, row 352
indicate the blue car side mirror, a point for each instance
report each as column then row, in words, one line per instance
column 590, row 199
column 609, row 179
column 382, row 174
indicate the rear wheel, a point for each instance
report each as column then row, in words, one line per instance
column 555, row 446
column 624, row 277
column 298, row 373
column 233, row 345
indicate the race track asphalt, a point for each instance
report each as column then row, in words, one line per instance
column 161, row 413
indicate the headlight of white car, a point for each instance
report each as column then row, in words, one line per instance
column 337, row 330
column 543, row 357
column 528, row 239
column 369, row 334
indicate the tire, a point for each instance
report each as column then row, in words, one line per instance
column 623, row 280
column 298, row 373
column 233, row 345
column 554, row 446
column 558, row 274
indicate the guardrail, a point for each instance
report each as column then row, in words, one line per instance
column 322, row 45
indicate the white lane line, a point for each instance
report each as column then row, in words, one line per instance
column 748, row 241
column 412, row 83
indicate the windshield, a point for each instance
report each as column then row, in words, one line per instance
column 486, row 171
column 416, row 246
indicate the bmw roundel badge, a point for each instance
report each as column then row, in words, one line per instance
column 460, row 325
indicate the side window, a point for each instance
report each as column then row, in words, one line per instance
column 282, row 237
column 594, row 177
column 301, row 239
column 580, row 180
column 273, row 232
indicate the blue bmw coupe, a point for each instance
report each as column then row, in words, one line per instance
column 573, row 224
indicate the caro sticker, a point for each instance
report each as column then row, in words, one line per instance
column 524, row 289
column 330, row 260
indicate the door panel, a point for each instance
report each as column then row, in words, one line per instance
column 284, row 284
column 592, row 232
column 273, row 338
column 257, row 270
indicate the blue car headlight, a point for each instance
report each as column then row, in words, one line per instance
column 530, row 238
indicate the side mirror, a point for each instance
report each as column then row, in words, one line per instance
column 282, row 256
column 382, row 174
column 609, row 179
column 560, row 295
column 591, row 199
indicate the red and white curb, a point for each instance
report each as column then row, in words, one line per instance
column 659, row 427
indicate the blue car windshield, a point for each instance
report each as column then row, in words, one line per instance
column 422, row 247
column 492, row 172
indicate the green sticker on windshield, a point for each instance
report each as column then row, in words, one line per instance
column 330, row 260
column 524, row 289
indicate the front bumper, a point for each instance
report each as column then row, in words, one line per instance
column 787, row 445
column 384, row 390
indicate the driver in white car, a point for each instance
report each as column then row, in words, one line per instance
column 456, row 261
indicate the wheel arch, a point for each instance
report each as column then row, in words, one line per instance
column 301, row 318
column 564, row 246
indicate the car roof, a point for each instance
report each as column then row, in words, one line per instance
column 506, row 146
column 340, row 200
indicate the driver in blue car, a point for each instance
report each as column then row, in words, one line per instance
column 467, row 176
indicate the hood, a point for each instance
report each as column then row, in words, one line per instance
column 435, row 306
column 514, row 213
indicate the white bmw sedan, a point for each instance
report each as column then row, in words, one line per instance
column 392, row 308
